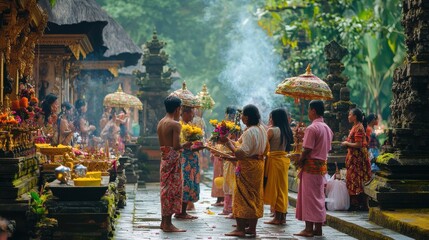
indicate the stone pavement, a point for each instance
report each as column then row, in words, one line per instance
column 140, row 219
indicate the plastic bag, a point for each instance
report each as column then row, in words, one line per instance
column 337, row 195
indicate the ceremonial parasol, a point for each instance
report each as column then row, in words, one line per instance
column 187, row 97
column 305, row 86
column 205, row 99
column 120, row 99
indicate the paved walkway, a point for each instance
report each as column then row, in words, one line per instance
column 140, row 219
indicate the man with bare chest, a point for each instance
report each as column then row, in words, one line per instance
column 171, row 180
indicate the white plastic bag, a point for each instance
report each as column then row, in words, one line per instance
column 337, row 195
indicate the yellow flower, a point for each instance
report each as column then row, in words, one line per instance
column 191, row 133
column 213, row 122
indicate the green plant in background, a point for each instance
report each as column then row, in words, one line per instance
column 38, row 204
column 197, row 40
column 370, row 30
column 197, row 33
column 43, row 226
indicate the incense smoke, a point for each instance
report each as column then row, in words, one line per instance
column 251, row 64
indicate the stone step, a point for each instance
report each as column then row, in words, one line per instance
column 411, row 222
column 356, row 224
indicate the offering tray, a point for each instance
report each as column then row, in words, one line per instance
column 220, row 153
column 51, row 151
column 67, row 192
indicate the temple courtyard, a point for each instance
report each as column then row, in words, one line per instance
column 141, row 217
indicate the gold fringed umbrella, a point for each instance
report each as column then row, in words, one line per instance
column 120, row 99
column 305, row 86
column 207, row 102
column 187, row 97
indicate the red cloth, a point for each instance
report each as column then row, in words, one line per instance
column 357, row 161
column 171, row 181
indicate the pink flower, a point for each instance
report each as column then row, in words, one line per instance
column 237, row 170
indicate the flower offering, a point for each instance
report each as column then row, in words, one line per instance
column 223, row 128
column 191, row 133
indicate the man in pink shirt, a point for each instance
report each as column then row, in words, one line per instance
column 310, row 206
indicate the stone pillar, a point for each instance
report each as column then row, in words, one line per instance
column 336, row 110
column 154, row 85
column 403, row 180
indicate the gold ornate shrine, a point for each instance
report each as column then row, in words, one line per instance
column 23, row 23
column 78, row 44
column 58, row 64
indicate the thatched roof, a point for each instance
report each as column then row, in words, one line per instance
column 130, row 69
column 77, row 12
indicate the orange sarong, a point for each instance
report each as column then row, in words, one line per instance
column 248, row 199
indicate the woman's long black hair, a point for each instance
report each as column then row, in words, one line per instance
column 46, row 105
column 280, row 120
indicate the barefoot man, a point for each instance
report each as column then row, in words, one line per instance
column 310, row 206
column 170, row 169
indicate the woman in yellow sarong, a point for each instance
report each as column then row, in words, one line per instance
column 248, row 204
column 280, row 137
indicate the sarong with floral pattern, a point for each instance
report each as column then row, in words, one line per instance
column 357, row 161
column 191, row 176
column 248, row 200
column 171, row 181
column 358, row 170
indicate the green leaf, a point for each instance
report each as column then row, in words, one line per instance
column 35, row 197
column 52, row 3
column 392, row 42
column 371, row 46
column 40, row 211
column 276, row 16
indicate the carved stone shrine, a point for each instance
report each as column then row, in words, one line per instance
column 403, row 180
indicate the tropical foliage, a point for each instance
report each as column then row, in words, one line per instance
column 194, row 31
column 198, row 33
column 369, row 29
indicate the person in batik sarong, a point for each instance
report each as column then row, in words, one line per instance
column 171, row 180
column 248, row 202
column 357, row 161
column 310, row 204
column 191, row 170
column 276, row 190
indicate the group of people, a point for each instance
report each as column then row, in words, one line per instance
column 69, row 125
column 257, row 172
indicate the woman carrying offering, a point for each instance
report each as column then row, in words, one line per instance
column 280, row 137
column 357, row 161
column 248, row 204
